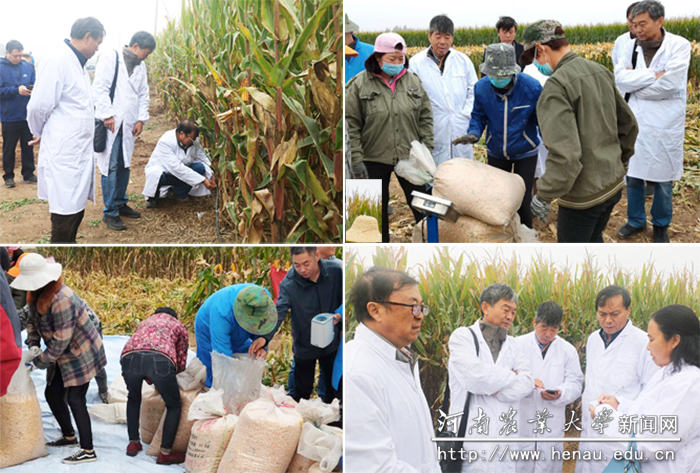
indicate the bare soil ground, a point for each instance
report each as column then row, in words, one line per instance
column 25, row 220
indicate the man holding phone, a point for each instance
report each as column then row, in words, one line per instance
column 558, row 381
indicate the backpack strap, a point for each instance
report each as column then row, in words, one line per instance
column 446, row 398
column 114, row 81
column 634, row 65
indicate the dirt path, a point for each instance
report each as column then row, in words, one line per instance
column 23, row 219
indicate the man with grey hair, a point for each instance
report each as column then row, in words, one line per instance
column 653, row 71
column 493, row 372
column 448, row 77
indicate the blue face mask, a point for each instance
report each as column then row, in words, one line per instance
column 392, row 69
column 500, row 82
column 545, row 69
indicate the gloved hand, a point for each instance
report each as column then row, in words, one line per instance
column 34, row 351
column 466, row 140
column 359, row 171
column 539, row 208
column 37, row 364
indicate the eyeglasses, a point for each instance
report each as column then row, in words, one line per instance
column 416, row 309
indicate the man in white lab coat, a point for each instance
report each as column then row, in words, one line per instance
column 388, row 427
column 617, row 362
column 498, row 379
column 657, row 86
column 622, row 40
column 124, row 117
column 448, row 77
column 61, row 114
column 558, row 381
column 178, row 162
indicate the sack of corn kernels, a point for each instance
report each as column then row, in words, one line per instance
column 479, row 190
column 318, row 441
column 211, row 432
column 182, row 438
column 152, row 408
column 266, row 436
column 470, row 230
column 21, row 429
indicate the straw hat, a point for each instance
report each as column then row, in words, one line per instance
column 365, row 229
column 35, row 272
column 350, row 52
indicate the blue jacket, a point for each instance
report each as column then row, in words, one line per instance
column 13, row 106
column 216, row 328
column 355, row 65
column 338, row 363
column 512, row 114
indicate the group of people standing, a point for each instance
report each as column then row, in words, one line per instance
column 541, row 106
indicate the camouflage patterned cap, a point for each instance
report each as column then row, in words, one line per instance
column 541, row 31
column 500, row 60
column 254, row 310
column 350, row 26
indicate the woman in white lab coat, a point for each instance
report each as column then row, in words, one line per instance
column 673, row 391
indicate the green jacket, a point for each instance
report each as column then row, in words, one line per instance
column 383, row 123
column 589, row 131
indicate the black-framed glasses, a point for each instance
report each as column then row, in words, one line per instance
column 416, row 309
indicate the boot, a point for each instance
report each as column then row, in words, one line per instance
column 661, row 235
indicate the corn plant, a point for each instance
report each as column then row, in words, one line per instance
column 361, row 204
column 260, row 78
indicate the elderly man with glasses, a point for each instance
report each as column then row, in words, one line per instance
column 388, row 425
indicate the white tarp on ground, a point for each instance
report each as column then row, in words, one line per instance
column 110, row 440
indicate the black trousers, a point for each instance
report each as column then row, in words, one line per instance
column 158, row 369
column 524, row 168
column 304, row 376
column 383, row 172
column 11, row 133
column 64, row 228
column 60, row 398
column 585, row 226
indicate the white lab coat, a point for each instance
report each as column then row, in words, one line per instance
column 131, row 99
column 169, row 157
column 388, row 428
column 659, row 106
column 666, row 394
column 61, row 112
column 532, row 71
column 482, row 377
column 452, row 98
column 624, row 364
column 559, row 369
column 620, row 46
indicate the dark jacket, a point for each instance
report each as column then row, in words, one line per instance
column 13, row 106
column 306, row 299
column 511, row 117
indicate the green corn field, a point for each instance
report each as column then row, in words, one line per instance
column 361, row 204
column 260, row 79
column 451, row 287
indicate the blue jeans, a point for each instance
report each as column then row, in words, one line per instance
column 661, row 208
column 180, row 189
column 114, row 184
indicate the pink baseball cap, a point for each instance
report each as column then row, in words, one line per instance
column 389, row 43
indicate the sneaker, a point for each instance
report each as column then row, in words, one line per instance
column 171, row 458
column 183, row 199
column 151, row 203
column 104, row 397
column 126, row 211
column 628, row 230
column 81, row 456
column 9, row 183
column 133, row 448
column 30, row 180
column 63, row 442
column 661, row 235
column 115, row 223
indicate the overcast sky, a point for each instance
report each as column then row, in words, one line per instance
column 668, row 259
column 373, row 15
column 41, row 25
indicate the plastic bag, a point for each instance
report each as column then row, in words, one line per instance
column 239, row 377
column 21, row 429
column 419, row 168
column 194, row 376
column 318, row 441
column 113, row 413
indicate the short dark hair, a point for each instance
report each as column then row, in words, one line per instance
column 187, row 126
column 680, row 320
column 5, row 260
column 549, row 313
column 144, row 39
column 495, row 292
column 12, row 45
column 528, row 56
column 613, row 291
column 654, row 8
column 372, row 65
column 441, row 24
column 166, row 310
column 376, row 285
column 506, row 23
column 630, row 8
column 297, row 250
column 87, row 25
